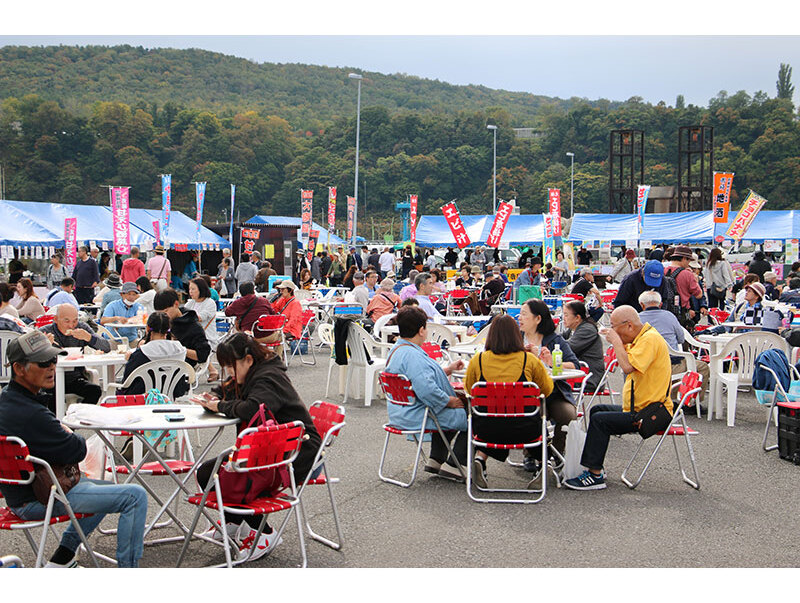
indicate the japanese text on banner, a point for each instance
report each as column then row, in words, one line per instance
column 71, row 243
column 200, row 193
column 166, row 205
column 413, row 216
column 331, row 207
column 351, row 214
column 157, row 231
column 548, row 226
column 121, row 218
column 249, row 237
column 233, row 200
column 453, row 218
column 554, row 198
column 312, row 244
column 752, row 205
column 722, row 196
column 641, row 204
column 499, row 224
column 306, row 198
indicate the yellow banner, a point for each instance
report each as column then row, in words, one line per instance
column 752, row 205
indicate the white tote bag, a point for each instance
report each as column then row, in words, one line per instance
column 576, row 437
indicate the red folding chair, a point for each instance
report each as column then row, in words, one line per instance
column 308, row 317
column 256, row 449
column 44, row 320
column 17, row 468
column 456, row 302
column 688, row 389
column 718, row 315
column 506, row 401
column 398, row 390
column 328, row 420
column 604, row 386
column 268, row 324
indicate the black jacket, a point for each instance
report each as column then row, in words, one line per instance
column 268, row 383
column 26, row 416
column 186, row 329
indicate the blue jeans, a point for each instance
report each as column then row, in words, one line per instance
column 99, row 497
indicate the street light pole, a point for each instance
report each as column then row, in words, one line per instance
column 356, row 76
column 494, row 168
column 571, row 181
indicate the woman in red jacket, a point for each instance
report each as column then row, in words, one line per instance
column 288, row 305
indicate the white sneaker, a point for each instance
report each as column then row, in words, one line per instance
column 266, row 542
column 72, row 563
column 231, row 528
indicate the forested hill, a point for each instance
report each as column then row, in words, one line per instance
column 307, row 96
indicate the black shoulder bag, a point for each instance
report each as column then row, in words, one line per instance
column 653, row 417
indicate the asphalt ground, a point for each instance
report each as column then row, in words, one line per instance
column 743, row 515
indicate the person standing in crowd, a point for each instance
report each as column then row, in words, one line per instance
column 718, row 277
column 226, row 253
column 450, row 258
column 23, row 414
column 185, row 326
column 86, row 275
column 430, row 260
column 364, row 257
column 624, row 266
column 56, row 272
column 247, row 271
column 132, row 268
column 386, row 262
column 105, row 259
column 146, row 294
column 29, row 306
column 226, row 276
column 407, row 263
column 685, row 279
column 585, row 256
column 316, row 267
column 159, row 269
column 62, row 294
column 759, row 265
column 478, row 258
column 336, row 270
column 347, row 280
column 325, row 262
column 561, row 267
column 649, row 278
column 16, row 269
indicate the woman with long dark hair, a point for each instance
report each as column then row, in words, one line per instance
column 584, row 340
column 157, row 344
column 505, row 360
column 256, row 376
column 28, row 306
column 718, row 275
column 347, row 281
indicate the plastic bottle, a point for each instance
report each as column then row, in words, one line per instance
column 557, row 360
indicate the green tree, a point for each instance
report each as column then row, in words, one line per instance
column 784, row 83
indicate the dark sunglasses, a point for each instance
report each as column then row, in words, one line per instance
column 47, row 363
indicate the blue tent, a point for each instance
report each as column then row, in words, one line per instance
column 680, row 227
column 775, row 225
column 182, row 229
column 433, row 231
column 20, row 230
column 521, row 229
column 296, row 222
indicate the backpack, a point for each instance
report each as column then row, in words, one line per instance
column 671, row 292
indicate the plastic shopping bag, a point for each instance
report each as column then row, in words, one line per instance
column 94, row 464
column 156, row 397
column 576, row 436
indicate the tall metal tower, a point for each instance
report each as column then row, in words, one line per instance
column 625, row 169
column 695, row 168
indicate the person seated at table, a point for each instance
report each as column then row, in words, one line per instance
column 184, row 326
column 385, row 301
column 465, row 280
column 539, row 331
column 585, row 286
column 28, row 305
column 424, row 289
column 792, row 294
column 530, row 275
column 505, row 360
column 6, row 293
column 359, row 294
column 68, row 332
column 288, row 305
column 432, row 389
column 109, row 293
column 214, row 294
column 306, row 281
column 409, row 290
column 491, row 292
column 206, row 308
column 146, row 294
column 248, row 307
column 667, row 325
column 157, row 344
column 438, row 281
column 584, row 341
column 256, row 376
column 643, row 356
column 23, row 414
column 124, row 310
column 773, row 290
column 62, row 294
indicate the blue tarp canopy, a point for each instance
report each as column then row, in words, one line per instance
column 20, row 230
column 680, row 227
column 297, row 223
column 775, row 225
column 182, row 229
column 522, row 229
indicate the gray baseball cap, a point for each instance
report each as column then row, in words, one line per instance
column 32, row 347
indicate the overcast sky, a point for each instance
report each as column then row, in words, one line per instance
column 615, row 67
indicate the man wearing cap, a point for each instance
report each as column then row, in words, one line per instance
column 302, row 264
column 124, row 310
column 584, row 256
column 132, row 268
column 624, row 266
column 86, row 275
column 110, row 293
column 159, row 270
column 685, row 279
column 68, row 332
column 649, row 277
column 24, row 414
column 288, row 305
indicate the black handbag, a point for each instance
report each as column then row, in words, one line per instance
column 67, row 476
column 652, row 418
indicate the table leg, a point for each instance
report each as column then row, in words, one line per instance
column 60, row 393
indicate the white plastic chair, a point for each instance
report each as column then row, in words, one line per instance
column 379, row 324
column 6, row 337
column 359, row 342
column 438, row 333
column 745, row 348
column 164, row 375
column 325, row 332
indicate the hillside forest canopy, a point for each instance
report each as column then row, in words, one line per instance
column 75, row 119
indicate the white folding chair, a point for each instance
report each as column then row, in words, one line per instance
column 359, row 343
column 6, row 337
column 779, row 395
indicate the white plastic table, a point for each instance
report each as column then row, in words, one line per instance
column 107, row 362
column 196, row 417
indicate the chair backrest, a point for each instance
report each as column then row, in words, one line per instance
column 397, row 389
column 164, row 375
column 506, row 400
column 14, row 463
column 356, row 340
column 433, row 350
column 438, row 333
column 689, row 387
column 746, row 348
column 271, row 322
column 44, row 320
column 719, row 315
column 265, row 446
column 328, row 419
column 380, row 323
column 6, row 337
column 308, row 316
column 123, row 400
column 610, row 359
column 325, row 331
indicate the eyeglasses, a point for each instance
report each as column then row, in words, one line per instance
column 615, row 327
column 47, row 363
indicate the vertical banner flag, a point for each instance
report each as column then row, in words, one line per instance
column 554, row 198
column 121, row 218
column 351, row 214
column 157, row 231
column 548, row 237
column 306, row 198
column 312, row 244
column 722, row 196
column 412, row 201
column 200, row 194
column 752, row 205
column 249, row 236
column 499, row 225
column 71, row 243
column 233, row 201
column 453, row 218
column 166, row 205
column 641, row 204
column 331, row 211
column 548, row 225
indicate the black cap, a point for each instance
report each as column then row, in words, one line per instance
column 31, row 347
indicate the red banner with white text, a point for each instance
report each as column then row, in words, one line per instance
column 453, row 218
column 499, row 225
column 554, row 199
column 412, row 201
column 722, row 196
